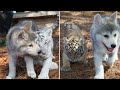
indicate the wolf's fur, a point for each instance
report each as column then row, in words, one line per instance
column 22, row 41
column 105, row 37
column 74, row 45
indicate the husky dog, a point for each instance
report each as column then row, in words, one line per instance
column 74, row 45
column 22, row 41
column 105, row 37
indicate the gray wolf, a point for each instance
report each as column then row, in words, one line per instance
column 22, row 41
column 105, row 39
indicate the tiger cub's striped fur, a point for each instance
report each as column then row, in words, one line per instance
column 74, row 48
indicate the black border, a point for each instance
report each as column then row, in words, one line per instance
column 60, row 5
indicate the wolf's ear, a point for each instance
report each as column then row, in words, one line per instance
column 23, row 35
column 113, row 17
column 98, row 20
column 27, row 26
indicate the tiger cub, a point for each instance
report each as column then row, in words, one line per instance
column 74, row 47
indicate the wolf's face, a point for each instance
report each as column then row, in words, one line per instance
column 107, row 32
column 30, row 48
column 43, row 39
column 25, row 41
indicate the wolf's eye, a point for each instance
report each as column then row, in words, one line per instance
column 115, row 35
column 30, row 45
column 106, row 36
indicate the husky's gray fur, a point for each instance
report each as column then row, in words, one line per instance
column 105, row 34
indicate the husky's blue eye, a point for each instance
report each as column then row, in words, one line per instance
column 115, row 35
column 106, row 36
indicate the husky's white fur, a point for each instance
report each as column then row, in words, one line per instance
column 105, row 37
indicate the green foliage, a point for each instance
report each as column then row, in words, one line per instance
column 2, row 42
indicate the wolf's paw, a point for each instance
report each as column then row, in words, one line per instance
column 99, row 77
column 65, row 68
column 8, row 77
column 32, row 74
column 43, row 76
column 54, row 66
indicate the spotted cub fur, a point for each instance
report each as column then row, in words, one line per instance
column 74, row 45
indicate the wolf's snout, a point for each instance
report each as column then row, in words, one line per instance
column 39, row 51
column 113, row 46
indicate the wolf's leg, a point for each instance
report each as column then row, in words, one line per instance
column 99, row 69
column 66, row 63
column 53, row 65
column 112, row 58
column 12, row 66
column 30, row 67
column 45, row 69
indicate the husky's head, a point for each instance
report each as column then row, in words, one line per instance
column 25, row 40
column 44, row 40
column 106, row 31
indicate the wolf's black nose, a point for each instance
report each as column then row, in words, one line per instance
column 113, row 46
column 39, row 51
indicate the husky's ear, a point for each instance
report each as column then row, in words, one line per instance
column 98, row 20
column 113, row 17
column 22, row 35
column 27, row 26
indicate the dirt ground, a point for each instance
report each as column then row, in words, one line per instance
column 78, row 70
column 21, row 68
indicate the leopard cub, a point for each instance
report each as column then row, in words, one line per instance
column 74, row 47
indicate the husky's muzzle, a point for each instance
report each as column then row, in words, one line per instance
column 110, row 49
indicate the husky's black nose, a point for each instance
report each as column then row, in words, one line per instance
column 113, row 46
column 39, row 51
